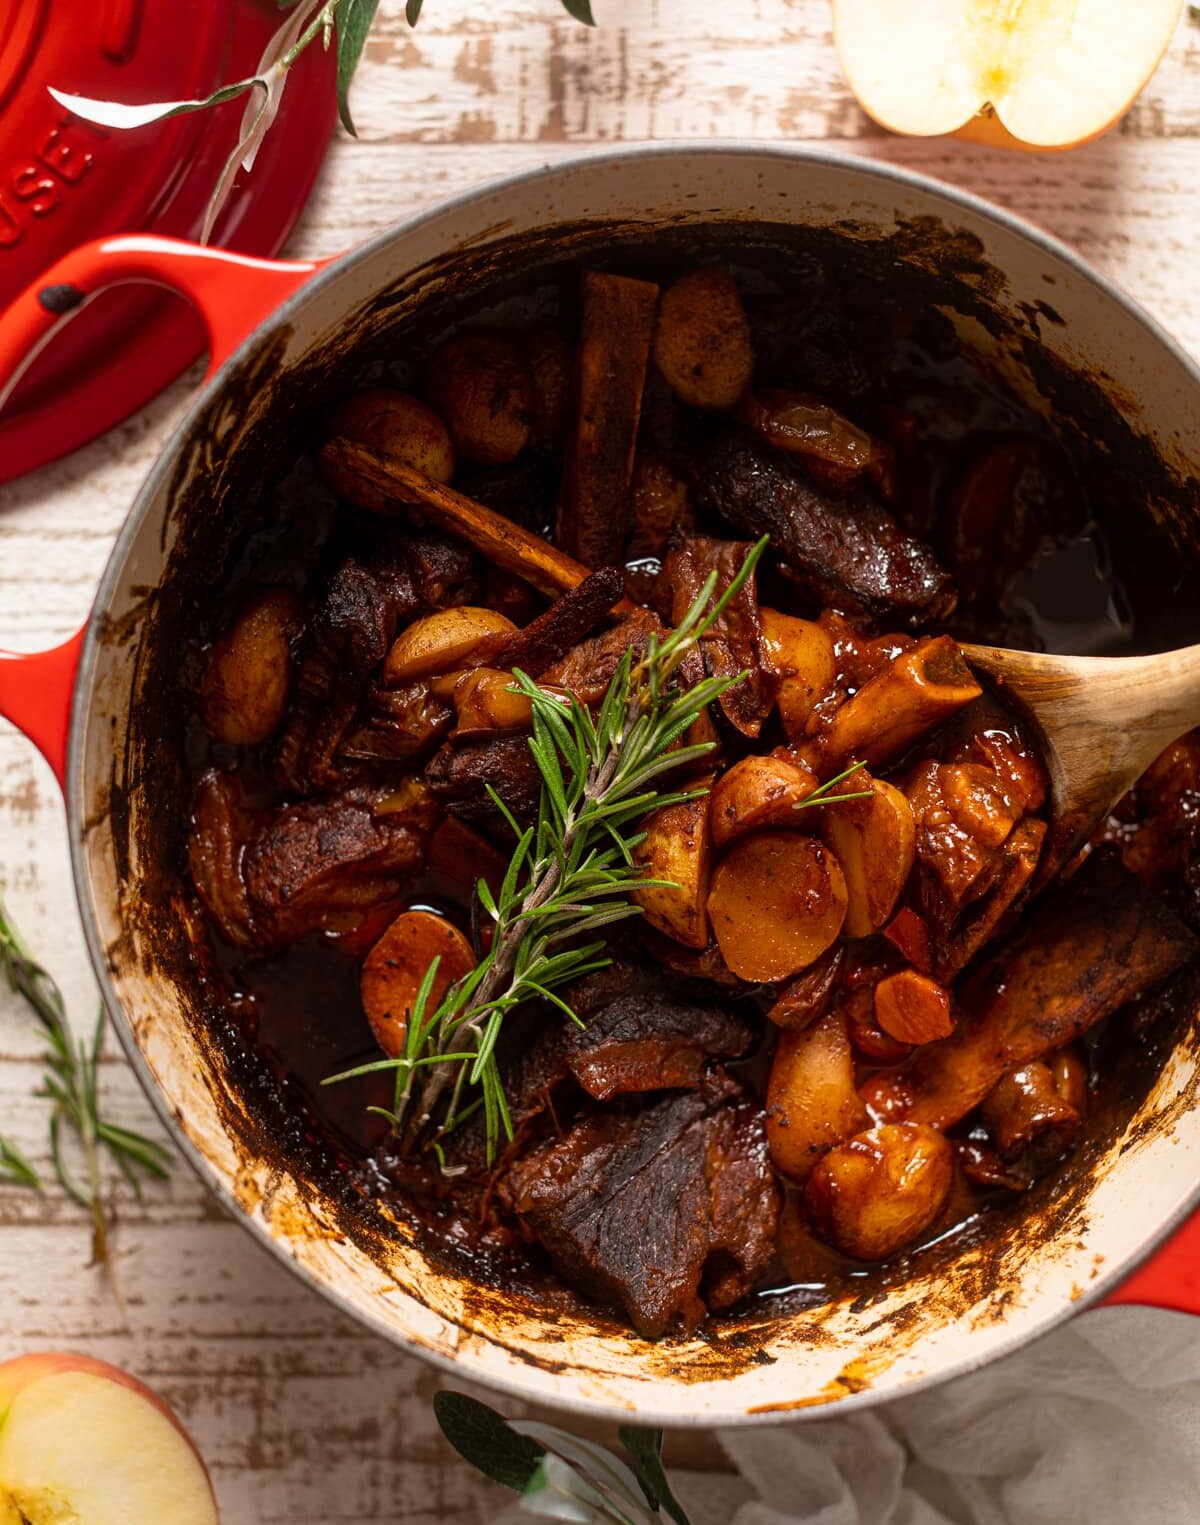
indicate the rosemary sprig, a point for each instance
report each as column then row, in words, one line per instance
column 569, row 877
column 70, row 1083
column 344, row 23
column 824, row 796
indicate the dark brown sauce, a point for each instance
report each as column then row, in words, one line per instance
column 300, row 1008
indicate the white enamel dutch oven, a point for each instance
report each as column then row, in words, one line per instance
column 283, row 337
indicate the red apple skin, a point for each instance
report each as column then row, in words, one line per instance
column 23, row 1371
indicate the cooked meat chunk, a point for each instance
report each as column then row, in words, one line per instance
column 587, row 669
column 850, row 553
column 318, row 864
column 651, row 1043
column 348, row 636
column 1101, row 941
column 634, row 1208
column 397, row 725
column 734, row 644
column 460, row 774
column 549, row 637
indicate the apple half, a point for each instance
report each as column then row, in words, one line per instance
column 1039, row 74
column 83, row 1442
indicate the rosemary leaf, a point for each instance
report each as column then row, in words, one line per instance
column 570, row 876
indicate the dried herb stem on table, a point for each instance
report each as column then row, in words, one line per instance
column 345, row 24
column 70, row 1084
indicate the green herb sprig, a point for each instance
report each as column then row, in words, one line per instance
column 825, row 796
column 345, row 24
column 570, row 876
column 70, row 1084
column 559, row 1475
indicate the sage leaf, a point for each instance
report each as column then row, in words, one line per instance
column 119, row 115
column 354, row 21
column 645, row 1452
column 556, row 1491
column 581, row 10
column 487, row 1441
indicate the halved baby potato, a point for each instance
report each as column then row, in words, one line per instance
column 811, row 1100
column 677, row 847
column 397, row 424
column 440, row 642
column 396, row 965
column 801, row 655
column 880, row 1190
column 484, row 700
column 875, row 843
column 758, row 792
column 702, row 343
column 778, row 900
column 249, row 671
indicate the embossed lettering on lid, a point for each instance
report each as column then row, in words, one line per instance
column 64, row 182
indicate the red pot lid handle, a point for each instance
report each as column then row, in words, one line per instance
column 67, row 181
column 234, row 294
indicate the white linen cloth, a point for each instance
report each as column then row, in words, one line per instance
column 1098, row 1423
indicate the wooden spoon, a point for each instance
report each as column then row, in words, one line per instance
column 1102, row 722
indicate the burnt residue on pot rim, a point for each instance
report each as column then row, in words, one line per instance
column 135, row 808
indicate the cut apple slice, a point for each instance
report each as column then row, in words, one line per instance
column 1027, row 73
column 83, row 1442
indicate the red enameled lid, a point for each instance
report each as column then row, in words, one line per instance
column 63, row 182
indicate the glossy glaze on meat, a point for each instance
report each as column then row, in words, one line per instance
column 846, row 1028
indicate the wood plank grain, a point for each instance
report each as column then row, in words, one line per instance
column 304, row 1417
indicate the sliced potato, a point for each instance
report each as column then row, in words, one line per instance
column 250, row 669
column 882, row 1189
column 801, row 655
column 396, row 965
column 485, row 701
column 702, row 341
column 479, row 383
column 912, row 1008
column 875, row 842
column 778, row 900
column 755, row 793
column 811, row 1101
column 438, row 643
column 396, row 424
column 678, row 848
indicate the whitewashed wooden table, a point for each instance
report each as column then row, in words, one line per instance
column 302, row 1416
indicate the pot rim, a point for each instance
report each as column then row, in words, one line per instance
column 158, row 477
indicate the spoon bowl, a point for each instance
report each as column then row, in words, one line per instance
column 1101, row 722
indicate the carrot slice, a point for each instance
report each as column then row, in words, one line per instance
column 912, row 1008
